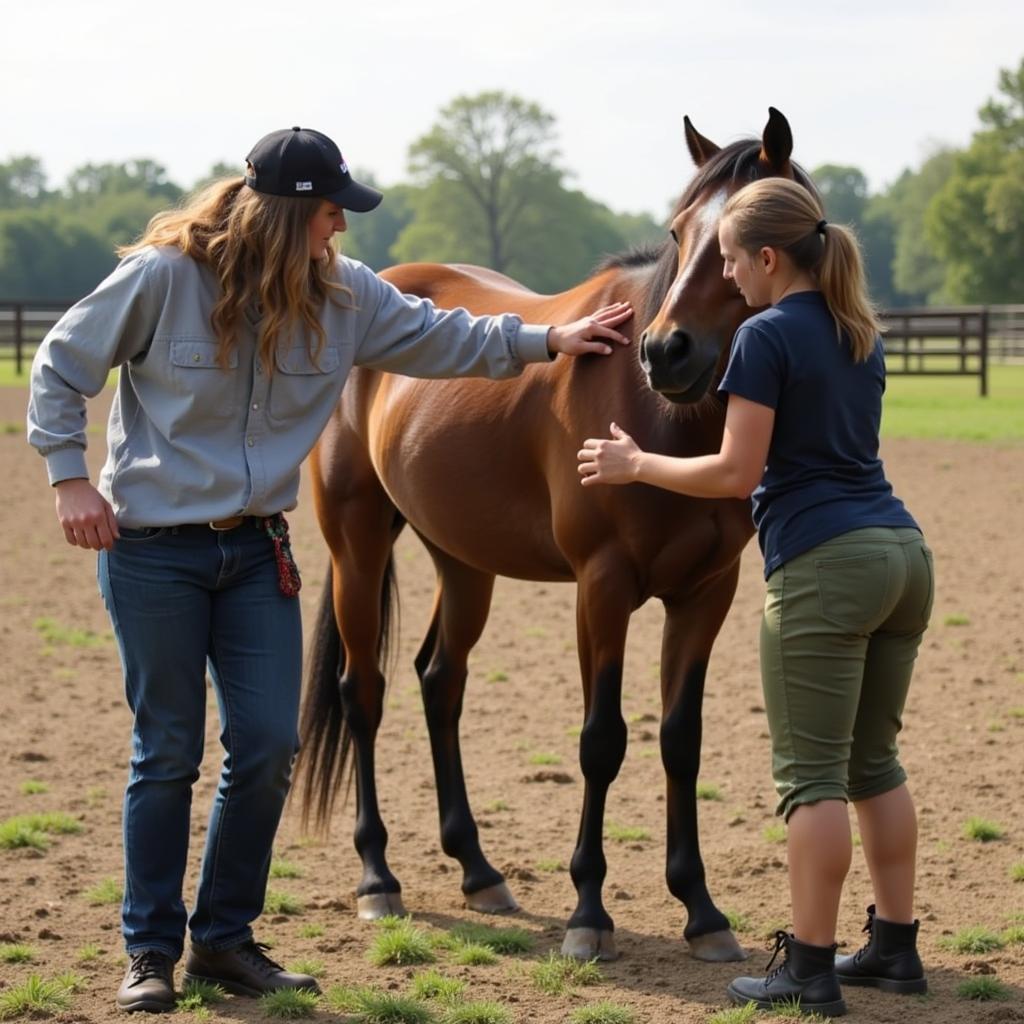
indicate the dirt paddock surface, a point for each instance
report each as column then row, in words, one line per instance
column 64, row 724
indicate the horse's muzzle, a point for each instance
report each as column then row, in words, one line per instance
column 677, row 366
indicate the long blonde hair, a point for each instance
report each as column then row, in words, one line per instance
column 782, row 214
column 258, row 246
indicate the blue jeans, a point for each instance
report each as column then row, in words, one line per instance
column 181, row 599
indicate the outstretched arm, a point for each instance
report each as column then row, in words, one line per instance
column 732, row 472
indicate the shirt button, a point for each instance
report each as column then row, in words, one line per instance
column 197, row 358
column 250, row 441
column 259, row 367
column 255, row 406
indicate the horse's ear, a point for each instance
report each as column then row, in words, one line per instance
column 701, row 149
column 776, row 143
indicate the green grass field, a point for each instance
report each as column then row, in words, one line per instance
column 925, row 407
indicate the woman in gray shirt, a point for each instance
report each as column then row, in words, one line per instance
column 234, row 323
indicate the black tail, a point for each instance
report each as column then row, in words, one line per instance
column 325, row 740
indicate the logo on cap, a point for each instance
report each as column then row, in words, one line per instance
column 343, row 165
column 303, row 186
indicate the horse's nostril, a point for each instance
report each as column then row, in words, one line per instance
column 678, row 346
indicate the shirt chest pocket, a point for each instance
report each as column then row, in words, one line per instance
column 207, row 388
column 300, row 382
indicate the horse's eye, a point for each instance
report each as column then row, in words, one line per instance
column 675, row 237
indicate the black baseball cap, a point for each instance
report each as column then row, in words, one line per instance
column 303, row 162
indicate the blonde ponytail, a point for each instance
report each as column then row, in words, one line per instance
column 781, row 214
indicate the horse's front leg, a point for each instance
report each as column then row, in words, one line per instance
column 461, row 606
column 604, row 604
column 691, row 626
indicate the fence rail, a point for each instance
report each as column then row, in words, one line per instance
column 950, row 341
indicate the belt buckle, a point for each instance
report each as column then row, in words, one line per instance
column 223, row 525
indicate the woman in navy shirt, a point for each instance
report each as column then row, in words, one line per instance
column 850, row 580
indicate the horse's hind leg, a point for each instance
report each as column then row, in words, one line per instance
column 461, row 605
column 360, row 531
column 691, row 626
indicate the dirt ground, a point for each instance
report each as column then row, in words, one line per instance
column 63, row 722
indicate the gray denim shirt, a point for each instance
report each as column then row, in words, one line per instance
column 189, row 442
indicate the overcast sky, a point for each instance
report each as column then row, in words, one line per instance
column 874, row 83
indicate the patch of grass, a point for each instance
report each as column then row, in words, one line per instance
column 735, row 1015
column 472, row 954
column 95, row 795
column 479, row 1012
column 16, row 953
column 972, row 940
column 30, row 787
column 604, row 1012
column 626, row 833
column 950, row 407
column 738, row 922
column 197, row 994
column 501, row 940
column 535, row 631
column 433, row 984
column 956, row 619
column 284, row 869
column 314, row 968
column 983, row 989
column 498, row 805
column 32, row 830
column 557, row 974
column 550, row 865
column 708, row 791
column 1016, row 712
column 1017, row 871
column 34, row 997
column 89, row 953
column 71, row 981
column 55, row 635
column 400, row 943
column 545, row 758
column 277, row 902
column 496, row 676
column 981, row 830
column 1014, row 936
column 105, row 892
column 370, row 1006
column 311, row 931
column 289, row 1003
column 775, row 833
column 574, row 731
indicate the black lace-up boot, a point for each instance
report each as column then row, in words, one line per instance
column 148, row 983
column 244, row 970
column 807, row 976
column 888, row 962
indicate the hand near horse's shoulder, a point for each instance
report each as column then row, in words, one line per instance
column 578, row 338
column 85, row 515
column 609, row 461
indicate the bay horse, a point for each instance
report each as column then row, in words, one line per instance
column 485, row 473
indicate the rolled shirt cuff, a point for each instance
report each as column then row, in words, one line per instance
column 532, row 344
column 66, row 464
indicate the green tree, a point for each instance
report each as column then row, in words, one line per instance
column 139, row 175
column 496, row 152
column 844, row 190
column 976, row 221
column 370, row 237
column 22, row 183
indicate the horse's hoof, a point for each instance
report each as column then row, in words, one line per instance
column 716, row 947
column 375, row 905
column 590, row 944
column 495, row 899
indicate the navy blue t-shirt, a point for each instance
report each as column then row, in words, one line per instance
column 823, row 475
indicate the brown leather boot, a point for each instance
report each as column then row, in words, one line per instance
column 148, row 983
column 244, row 970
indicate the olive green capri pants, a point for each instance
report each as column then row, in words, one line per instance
column 841, row 628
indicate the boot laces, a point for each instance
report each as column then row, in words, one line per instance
column 253, row 952
column 781, row 945
column 150, row 963
column 867, row 929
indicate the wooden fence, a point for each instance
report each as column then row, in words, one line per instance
column 953, row 341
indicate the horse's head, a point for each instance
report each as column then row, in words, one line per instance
column 699, row 310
